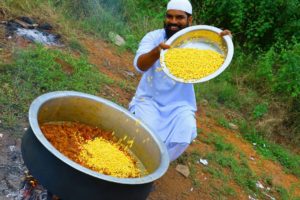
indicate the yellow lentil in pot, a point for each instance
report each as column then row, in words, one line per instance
column 105, row 157
column 94, row 148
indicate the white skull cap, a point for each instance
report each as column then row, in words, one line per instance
column 183, row 5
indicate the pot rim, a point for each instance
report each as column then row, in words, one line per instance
column 33, row 121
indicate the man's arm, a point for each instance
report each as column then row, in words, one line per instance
column 146, row 60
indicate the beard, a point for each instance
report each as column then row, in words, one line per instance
column 170, row 32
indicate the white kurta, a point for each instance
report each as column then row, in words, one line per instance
column 165, row 106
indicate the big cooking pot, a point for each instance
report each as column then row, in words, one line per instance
column 71, row 181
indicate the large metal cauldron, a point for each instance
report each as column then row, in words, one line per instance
column 71, row 181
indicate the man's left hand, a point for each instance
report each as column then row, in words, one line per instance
column 226, row 32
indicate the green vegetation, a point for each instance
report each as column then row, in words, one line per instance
column 260, row 110
column 288, row 160
column 39, row 70
column 220, row 191
column 223, row 159
column 286, row 195
column 229, row 164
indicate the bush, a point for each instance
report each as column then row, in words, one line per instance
column 255, row 25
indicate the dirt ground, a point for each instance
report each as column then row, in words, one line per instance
column 173, row 185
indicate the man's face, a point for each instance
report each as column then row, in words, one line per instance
column 176, row 20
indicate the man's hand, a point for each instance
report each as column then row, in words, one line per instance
column 146, row 60
column 163, row 46
column 226, row 32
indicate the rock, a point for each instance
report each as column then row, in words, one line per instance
column 24, row 24
column 233, row 126
column 45, row 26
column 14, row 181
column 204, row 102
column 27, row 20
column 252, row 158
column 12, row 26
column 183, row 169
column 117, row 39
column 3, row 185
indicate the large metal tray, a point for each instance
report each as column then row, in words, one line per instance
column 200, row 37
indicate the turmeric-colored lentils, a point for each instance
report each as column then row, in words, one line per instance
column 93, row 148
column 191, row 64
column 106, row 157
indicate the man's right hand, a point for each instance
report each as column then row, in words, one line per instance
column 163, row 46
column 146, row 60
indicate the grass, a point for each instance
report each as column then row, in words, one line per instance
column 223, row 122
column 287, row 195
column 224, row 166
column 222, row 192
column 126, row 85
column 217, row 173
column 218, row 142
column 38, row 70
column 238, row 172
column 76, row 46
column 229, row 165
column 289, row 160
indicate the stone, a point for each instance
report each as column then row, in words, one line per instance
column 3, row 185
column 27, row 20
column 45, row 26
column 204, row 102
column 14, row 181
column 183, row 169
column 117, row 39
column 233, row 126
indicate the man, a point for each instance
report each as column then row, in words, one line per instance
column 165, row 106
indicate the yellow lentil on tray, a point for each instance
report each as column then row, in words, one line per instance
column 191, row 64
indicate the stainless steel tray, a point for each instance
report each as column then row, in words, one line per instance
column 200, row 37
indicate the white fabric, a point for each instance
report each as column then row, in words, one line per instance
column 165, row 106
column 176, row 149
column 183, row 5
